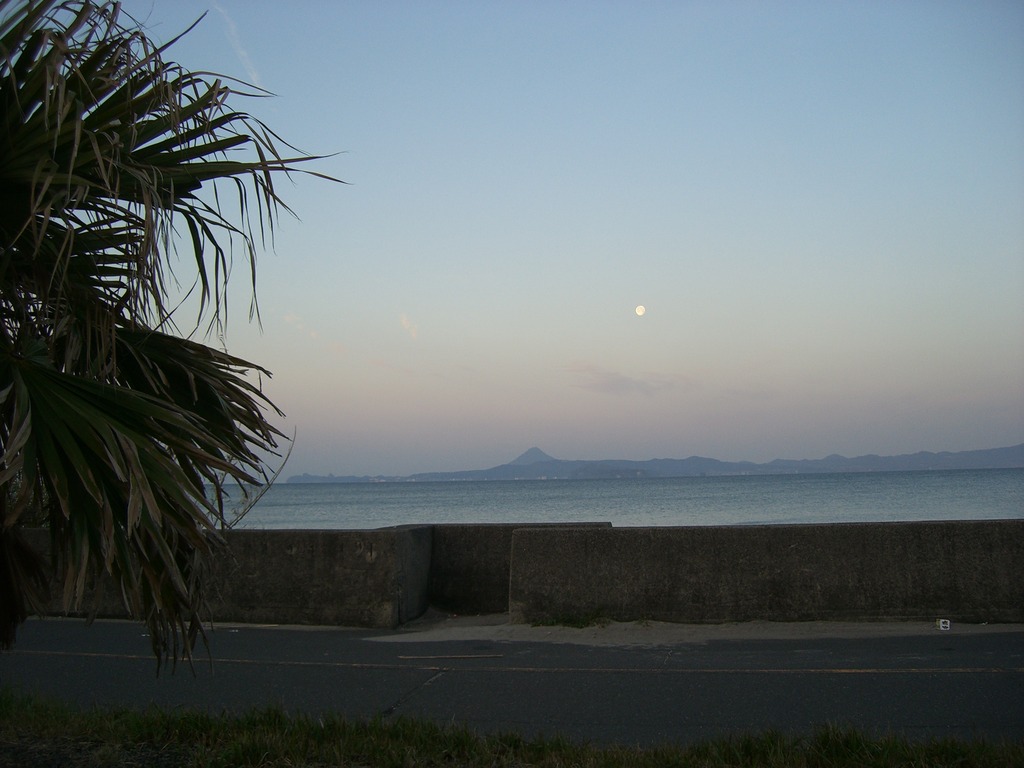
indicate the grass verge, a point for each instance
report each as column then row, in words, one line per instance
column 35, row 732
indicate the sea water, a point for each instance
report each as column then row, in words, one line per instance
column 728, row 500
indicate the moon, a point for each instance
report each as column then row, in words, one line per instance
column 640, row 310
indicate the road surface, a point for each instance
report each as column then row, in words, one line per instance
column 632, row 684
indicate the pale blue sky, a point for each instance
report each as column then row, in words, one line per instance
column 821, row 205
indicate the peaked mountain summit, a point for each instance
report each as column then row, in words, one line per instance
column 531, row 456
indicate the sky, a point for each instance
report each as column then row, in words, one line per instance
column 819, row 205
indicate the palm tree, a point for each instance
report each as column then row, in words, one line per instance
column 115, row 162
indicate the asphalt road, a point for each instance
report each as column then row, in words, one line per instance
column 633, row 684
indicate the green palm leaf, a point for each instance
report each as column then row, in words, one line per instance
column 113, row 431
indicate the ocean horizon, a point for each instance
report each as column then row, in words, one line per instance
column 846, row 497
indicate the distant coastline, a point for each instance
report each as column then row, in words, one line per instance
column 534, row 464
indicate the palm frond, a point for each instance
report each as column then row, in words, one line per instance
column 113, row 158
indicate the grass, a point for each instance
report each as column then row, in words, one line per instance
column 35, row 732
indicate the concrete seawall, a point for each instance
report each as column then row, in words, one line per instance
column 374, row 578
column 470, row 565
column 964, row 571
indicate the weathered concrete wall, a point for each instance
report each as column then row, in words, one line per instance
column 414, row 547
column 470, row 565
column 372, row 578
column 968, row 571
column 965, row 571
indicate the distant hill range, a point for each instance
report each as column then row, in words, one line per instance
column 537, row 465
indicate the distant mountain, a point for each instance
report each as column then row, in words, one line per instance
column 534, row 464
column 532, row 456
